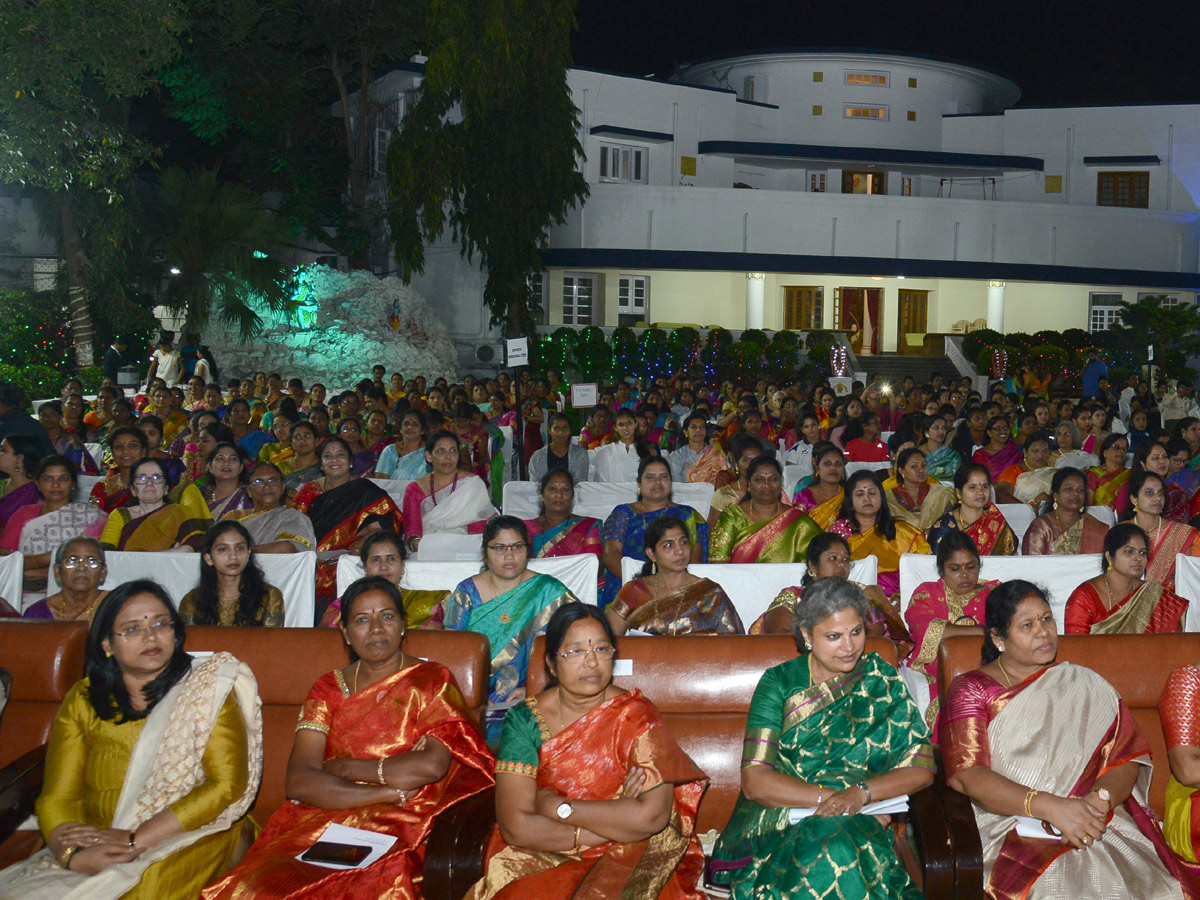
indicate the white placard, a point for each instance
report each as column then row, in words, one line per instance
column 841, row 386
column 584, row 395
column 516, row 352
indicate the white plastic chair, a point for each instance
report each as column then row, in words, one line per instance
column 395, row 488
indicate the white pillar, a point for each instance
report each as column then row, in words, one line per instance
column 995, row 306
column 755, row 289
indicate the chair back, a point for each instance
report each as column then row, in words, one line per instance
column 44, row 659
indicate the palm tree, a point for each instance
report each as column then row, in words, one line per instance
column 218, row 243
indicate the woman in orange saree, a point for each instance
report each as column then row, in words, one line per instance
column 589, row 781
column 1148, row 499
column 383, row 745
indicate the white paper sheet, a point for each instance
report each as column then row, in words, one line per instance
column 879, row 808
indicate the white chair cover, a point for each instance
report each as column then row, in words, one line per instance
column 96, row 452
column 1059, row 575
column 752, row 586
column 12, row 576
column 598, row 499
column 792, row 475
column 395, row 488
column 852, row 467
column 1187, row 585
column 579, row 573
column 294, row 574
column 445, row 547
column 84, row 485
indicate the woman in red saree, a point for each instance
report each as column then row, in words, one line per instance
column 1026, row 739
column 1148, row 497
column 344, row 510
column 383, row 745
column 1152, row 456
column 976, row 515
column 1117, row 601
column 596, row 796
column 127, row 445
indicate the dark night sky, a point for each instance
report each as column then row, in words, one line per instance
column 1058, row 52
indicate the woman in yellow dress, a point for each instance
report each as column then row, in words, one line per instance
column 867, row 524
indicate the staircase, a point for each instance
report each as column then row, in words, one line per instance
column 894, row 367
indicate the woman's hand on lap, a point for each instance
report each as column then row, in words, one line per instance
column 92, row 860
column 1077, row 821
column 845, row 802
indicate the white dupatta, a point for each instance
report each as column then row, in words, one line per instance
column 165, row 765
column 461, row 503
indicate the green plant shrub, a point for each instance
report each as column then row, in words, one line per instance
column 756, row 336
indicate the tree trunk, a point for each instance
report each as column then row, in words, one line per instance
column 81, row 317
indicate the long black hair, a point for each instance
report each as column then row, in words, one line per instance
column 106, row 690
column 252, row 586
column 556, row 631
column 1000, row 607
column 884, row 523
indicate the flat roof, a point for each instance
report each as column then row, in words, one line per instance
column 871, row 155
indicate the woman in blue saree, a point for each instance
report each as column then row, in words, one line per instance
column 624, row 531
column 511, row 606
column 828, row 733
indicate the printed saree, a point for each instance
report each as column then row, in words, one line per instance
column 1179, row 710
column 1106, row 486
column 711, row 466
column 934, row 606
column 575, row 535
column 782, row 539
column 942, row 463
column 837, row 733
column 510, row 621
column 588, row 760
column 1171, row 539
column 626, row 526
column 990, row 532
column 382, row 720
column 921, row 510
column 1008, row 455
column 199, row 753
column 1028, row 486
column 821, row 513
column 1148, row 609
column 171, row 525
column 699, row 608
column 1045, row 538
column 32, row 532
column 1057, row 731
column 279, row 524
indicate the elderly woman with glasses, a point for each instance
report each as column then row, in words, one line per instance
column 273, row 527
column 153, row 522
column 79, row 569
column 511, row 605
column 591, row 788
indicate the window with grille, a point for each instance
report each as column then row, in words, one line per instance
column 803, row 307
column 1130, row 189
column 579, row 293
column 816, row 182
column 872, row 79
column 623, row 163
column 1104, row 311
column 878, row 113
column 1168, row 299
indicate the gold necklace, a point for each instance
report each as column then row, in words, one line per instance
column 1003, row 672
column 1108, row 590
column 357, row 666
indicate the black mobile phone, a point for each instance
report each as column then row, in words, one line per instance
column 335, row 853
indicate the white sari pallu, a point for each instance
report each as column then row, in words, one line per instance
column 1064, row 726
column 456, row 506
column 165, row 765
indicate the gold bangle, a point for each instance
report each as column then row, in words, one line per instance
column 65, row 862
column 382, row 780
column 1029, row 801
column 133, row 839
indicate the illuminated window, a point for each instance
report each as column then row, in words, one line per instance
column 906, row 186
column 816, row 182
column 912, row 82
column 878, row 113
column 633, row 299
column 579, row 292
column 873, row 79
column 818, row 76
column 1123, row 189
column 912, row 115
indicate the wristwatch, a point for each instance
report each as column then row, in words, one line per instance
column 565, row 809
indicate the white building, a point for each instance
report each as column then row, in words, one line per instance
column 819, row 188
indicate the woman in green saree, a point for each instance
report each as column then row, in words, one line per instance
column 762, row 528
column 828, row 733
column 509, row 604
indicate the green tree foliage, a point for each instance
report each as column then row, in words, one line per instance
column 1173, row 330
column 68, row 70
column 218, row 236
column 490, row 149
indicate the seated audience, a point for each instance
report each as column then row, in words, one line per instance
column 1106, row 480
column 743, row 449
column 385, row 744
column 404, row 459
column 272, row 526
column 1147, row 499
column 913, row 496
column 940, row 458
column 20, row 457
column 511, row 605
column 619, row 461
column 1029, row 480
column 445, row 501
column 153, row 522
column 557, row 531
column 1000, row 451
column 860, row 741
column 579, row 783
column 79, row 569
column 1022, row 736
column 1067, row 528
column 224, row 484
column 152, row 765
column 305, row 464
column 65, row 443
column 695, row 436
column 976, row 515
column 822, row 498
column 862, row 440
column 865, row 522
column 560, row 455
column 232, row 589
column 667, row 599
column 383, row 554
column 762, row 527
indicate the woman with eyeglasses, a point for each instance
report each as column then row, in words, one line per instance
column 152, row 763
column 590, row 786
column 37, row 529
column 232, row 590
column 385, row 744
column 153, row 522
column 511, row 605
column 79, row 569
column 273, row 526
column 344, row 510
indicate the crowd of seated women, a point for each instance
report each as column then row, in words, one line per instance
column 255, row 469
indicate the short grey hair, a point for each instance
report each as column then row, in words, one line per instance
column 82, row 539
column 824, row 598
